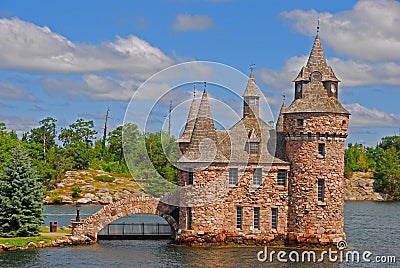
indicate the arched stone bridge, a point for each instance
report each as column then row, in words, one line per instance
column 92, row 225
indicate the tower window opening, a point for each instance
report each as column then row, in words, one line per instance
column 189, row 177
column 274, row 218
column 256, row 218
column 239, row 216
column 189, row 218
column 321, row 190
column 321, row 148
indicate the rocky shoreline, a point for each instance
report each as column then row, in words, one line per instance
column 360, row 187
column 94, row 187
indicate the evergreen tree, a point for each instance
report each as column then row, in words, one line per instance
column 21, row 207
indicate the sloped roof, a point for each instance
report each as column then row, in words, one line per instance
column 314, row 96
column 187, row 133
column 251, row 88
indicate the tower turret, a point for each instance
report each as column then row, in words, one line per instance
column 251, row 98
column 315, row 127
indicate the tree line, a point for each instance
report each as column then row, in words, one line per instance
column 77, row 147
column 383, row 160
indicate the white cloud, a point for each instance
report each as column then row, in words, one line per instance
column 369, row 31
column 9, row 91
column 185, row 23
column 364, row 117
column 93, row 86
column 352, row 73
column 28, row 47
column 19, row 124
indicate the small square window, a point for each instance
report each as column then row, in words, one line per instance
column 282, row 175
column 257, row 177
column 321, row 148
column 233, row 176
column 253, row 147
column 300, row 122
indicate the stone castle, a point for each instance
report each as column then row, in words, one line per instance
column 253, row 184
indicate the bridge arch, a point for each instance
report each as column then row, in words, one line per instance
column 92, row 225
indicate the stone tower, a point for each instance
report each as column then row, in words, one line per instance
column 251, row 97
column 315, row 127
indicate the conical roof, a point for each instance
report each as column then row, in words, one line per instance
column 314, row 96
column 317, row 60
column 279, row 123
column 187, row 133
column 203, row 142
column 251, row 88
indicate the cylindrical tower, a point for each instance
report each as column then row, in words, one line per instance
column 315, row 127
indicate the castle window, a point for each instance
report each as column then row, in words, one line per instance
column 321, row 190
column 189, row 218
column 239, row 215
column 274, row 218
column 257, row 177
column 321, row 148
column 189, row 177
column 253, row 147
column 256, row 218
column 233, row 176
column 300, row 122
column 282, row 176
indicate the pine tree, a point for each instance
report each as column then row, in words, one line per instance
column 21, row 207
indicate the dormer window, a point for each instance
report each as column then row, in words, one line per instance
column 253, row 147
column 298, row 90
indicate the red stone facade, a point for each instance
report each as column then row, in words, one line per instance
column 304, row 206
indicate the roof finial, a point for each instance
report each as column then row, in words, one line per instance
column 252, row 66
column 205, row 85
column 284, row 98
column 194, row 90
column 318, row 25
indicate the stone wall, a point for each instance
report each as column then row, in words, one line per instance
column 311, row 221
column 88, row 229
column 215, row 222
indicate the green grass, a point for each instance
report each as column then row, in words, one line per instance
column 24, row 241
column 46, row 229
column 104, row 178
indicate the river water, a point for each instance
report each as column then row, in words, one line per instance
column 370, row 226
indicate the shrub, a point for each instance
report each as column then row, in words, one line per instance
column 57, row 200
column 76, row 191
column 104, row 178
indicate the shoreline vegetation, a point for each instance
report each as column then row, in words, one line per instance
column 45, row 239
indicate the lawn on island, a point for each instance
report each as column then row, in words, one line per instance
column 44, row 236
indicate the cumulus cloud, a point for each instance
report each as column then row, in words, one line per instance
column 364, row 117
column 352, row 73
column 368, row 32
column 28, row 47
column 185, row 23
column 9, row 91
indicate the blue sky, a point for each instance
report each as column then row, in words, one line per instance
column 72, row 59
